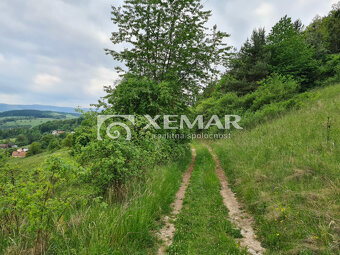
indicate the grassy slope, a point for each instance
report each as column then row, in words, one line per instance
column 29, row 163
column 203, row 226
column 289, row 177
column 121, row 227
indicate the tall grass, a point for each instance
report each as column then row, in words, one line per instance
column 288, row 175
column 122, row 227
column 105, row 225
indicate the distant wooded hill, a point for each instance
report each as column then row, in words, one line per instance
column 31, row 118
column 9, row 107
column 36, row 114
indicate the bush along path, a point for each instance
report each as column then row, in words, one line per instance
column 237, row 216
column 203, row 226
column 167, row 232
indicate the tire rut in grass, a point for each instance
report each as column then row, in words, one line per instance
column 203, row 226
column 166, row 234
column 239, row 217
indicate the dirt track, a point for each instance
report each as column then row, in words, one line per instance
column 239, row 217
column 167, row 232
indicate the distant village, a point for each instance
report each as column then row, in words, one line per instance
column 21, row 152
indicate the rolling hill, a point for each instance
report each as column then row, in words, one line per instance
column 31, row 118
column 10, row 107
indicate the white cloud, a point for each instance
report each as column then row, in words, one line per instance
column 265, row 9
column 2, row 58
column 104, row 77
column 47, row 84
column 46, row 80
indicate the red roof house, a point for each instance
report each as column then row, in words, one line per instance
column 18, row 154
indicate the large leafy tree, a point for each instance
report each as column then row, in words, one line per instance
column 168, row 41
column 290, row 54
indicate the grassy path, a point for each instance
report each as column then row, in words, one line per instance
column 167, row 232
column 203, row 226
column 238, row 216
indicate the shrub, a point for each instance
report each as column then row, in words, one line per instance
column 68, row 141
column 112, row 163
column 34, row 149
column 30, row 208
column 274, row 89
column 53, row 145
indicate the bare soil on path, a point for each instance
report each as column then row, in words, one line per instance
column 166, row 234
column 239, row 217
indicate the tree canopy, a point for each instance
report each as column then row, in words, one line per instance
column 168, row 41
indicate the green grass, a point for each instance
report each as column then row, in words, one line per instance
column 288, row 176
column 32, row 162
column 122, row 227
column 203, row 226
column 103, row 226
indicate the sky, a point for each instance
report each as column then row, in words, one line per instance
column 52, row 51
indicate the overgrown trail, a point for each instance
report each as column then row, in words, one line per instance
column 203, row 226
column 167, row 232
column 239, row 217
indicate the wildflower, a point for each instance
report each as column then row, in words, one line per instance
column 277, row 234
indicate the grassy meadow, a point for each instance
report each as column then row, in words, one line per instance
column 287, row 173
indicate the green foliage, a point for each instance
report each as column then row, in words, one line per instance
column 248, row 66
column 34, row 149
column 290, row 55
column 45, row 140
column 34, row 134
column 112, row 163
column 68, row 141
column 274, row 95
column 53, row 145
column 30, row 113
column 21, row 140
column 169, row 42
column 29, row 207
column 135, row 95
column 330, row 71
column 274, row 89
column 127, row 225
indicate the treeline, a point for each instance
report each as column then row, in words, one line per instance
column 29, row 135
column 271, row 72
column 33, row 114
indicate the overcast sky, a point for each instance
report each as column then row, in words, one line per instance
column 52, row 51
